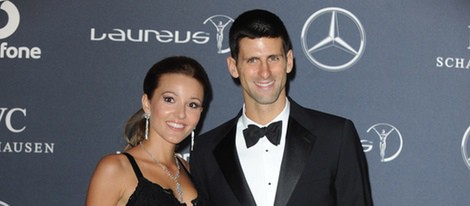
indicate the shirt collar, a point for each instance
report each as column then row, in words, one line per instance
column 283, row 116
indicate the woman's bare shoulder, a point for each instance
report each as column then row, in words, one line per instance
column 113, row 165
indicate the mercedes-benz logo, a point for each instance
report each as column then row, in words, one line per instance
column 333, row 39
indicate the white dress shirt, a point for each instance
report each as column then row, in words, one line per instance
column 261, row 163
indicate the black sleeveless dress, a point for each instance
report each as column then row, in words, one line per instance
column 149, row 193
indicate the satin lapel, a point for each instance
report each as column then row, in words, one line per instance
column 299, row 144
column 227, row 158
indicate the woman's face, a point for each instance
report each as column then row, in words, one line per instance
column 175, row 107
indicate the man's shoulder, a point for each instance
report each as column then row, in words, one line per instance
column 312, row 115
column 321, row 124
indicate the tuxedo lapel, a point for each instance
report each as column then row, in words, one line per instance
column 299, row 143
column 227, row 159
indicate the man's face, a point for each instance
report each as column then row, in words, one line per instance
column 262, row 67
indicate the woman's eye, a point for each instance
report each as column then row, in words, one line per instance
column 194, row 105
column 168, row 99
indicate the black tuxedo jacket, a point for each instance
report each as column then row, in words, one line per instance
column 323, row 164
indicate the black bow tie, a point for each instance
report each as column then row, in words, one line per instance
column 253, row 133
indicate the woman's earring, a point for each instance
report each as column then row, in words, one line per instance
column 192, row 140
column 147, row 117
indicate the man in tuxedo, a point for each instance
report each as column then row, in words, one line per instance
column 276, row 152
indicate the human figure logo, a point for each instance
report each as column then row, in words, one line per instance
column 13, row 18
column 390, row 141
column 464, row 147
column 321, row 39
column 220, row 22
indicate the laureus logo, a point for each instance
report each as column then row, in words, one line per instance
column 220, row 22
column 333, row 32
column 464, row 147
column 390, row 141
column 3, row 204
column 13, row 19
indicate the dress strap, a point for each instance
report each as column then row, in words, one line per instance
column 137, row 171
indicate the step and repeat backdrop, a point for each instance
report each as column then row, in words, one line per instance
column 71, row 74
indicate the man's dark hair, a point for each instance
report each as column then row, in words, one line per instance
column 257, row 24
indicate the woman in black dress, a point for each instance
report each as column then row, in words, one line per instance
column 149, row 172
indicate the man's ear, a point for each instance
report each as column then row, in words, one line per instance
column 290, row 61
column 232, row 67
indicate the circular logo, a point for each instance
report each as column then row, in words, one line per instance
column 465, row 152
column 333, row 39
column 220, row 22
column 390, row 139
column 13, row 19
column 3, row 204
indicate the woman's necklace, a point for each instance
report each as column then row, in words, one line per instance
column 174, row 177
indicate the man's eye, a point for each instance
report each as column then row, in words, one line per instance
column 252, row 60
column 274, row 58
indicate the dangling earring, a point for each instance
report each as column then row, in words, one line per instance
column 147, row 117
column 192, row 140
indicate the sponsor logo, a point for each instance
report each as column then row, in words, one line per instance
column 148, row 35
column 464, row 147
column 390, row 141
column 6, row 115
column 454, row 62
column 3, row 204
column 11, row 119
column 333, row 32
column 13, row 19
column 220, row 22
column 14, row 52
